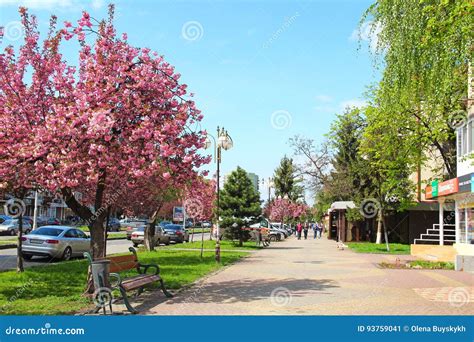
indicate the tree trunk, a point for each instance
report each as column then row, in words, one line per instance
column 241, row 237
column 150, row 230
column 386, row 234
column 98, row 238
column 19, row 255
column 150, row 236
column 379, row 227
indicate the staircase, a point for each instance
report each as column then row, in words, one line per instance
column 431, row 237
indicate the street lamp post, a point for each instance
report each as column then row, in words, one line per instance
column 224, row 141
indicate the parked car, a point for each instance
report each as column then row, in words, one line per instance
column 114, row 225
column 138, row 236
column 164, row 223
column 206, row 224
column 11, row 227
column 62, row 242
column 4, row 218
column 133, row 225
column 47, row 221
column 177, row 233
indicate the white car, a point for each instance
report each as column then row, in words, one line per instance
column 11, row 227
column 61, row 242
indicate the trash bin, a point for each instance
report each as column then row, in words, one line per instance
column 100, row 273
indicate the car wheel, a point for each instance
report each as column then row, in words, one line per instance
column 27, row 256
column 12, row 232
column 67, row 254
column 273, row 238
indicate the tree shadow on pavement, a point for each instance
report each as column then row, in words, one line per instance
column 234, row 291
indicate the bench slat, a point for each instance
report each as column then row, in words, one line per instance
column 122, row 258
column 139, row 281
column 117, row 267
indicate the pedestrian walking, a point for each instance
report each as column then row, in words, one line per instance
column 305, row 230
column 299, row 228
column 315, row 228
column 320, row 230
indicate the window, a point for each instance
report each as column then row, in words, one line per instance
column 471, row 136
column 464, row 140
column 80, row 234
column 71, row 233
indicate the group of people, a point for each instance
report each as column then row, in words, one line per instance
column 303, row 228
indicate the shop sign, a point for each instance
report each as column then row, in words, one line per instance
column 434, row 188
column 429, row 192
column 448, row 187
column 465, row 183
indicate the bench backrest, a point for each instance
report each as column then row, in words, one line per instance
column 123, row 263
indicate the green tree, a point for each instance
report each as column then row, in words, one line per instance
column 425, row 48
column 388, row 158
column 287, row 183
column 239, row 204
column 349, row 178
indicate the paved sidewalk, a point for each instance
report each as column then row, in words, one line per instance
column 313, row 277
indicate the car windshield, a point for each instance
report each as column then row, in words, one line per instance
column 47, row 231
column 140, row 229
column 164, row 223
column 8, row 222
column 173, row 227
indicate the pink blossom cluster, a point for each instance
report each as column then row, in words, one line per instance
column 281, row 209
column 120, row 120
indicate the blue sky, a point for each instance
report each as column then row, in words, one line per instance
column 248, row 62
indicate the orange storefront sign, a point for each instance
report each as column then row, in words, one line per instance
column 449, row 187
column 429, row 192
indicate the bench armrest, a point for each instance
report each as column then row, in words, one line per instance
column 148, row 266
column 118, row 280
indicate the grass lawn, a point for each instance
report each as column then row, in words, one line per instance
column 56, row 289
column 432, row 265
column 117, row 236
column 8, row 242
column 199, row 230
column 211, row 244
column 369, row 247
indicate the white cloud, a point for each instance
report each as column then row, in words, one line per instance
column 97, row 4
column 353, row 103
column 324, row 98
column 368, row 32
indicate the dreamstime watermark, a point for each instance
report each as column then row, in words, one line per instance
column 14, row 207
column 102, row 297
column 281, row 119
column 457, row 119
column 459, row 296
column 45, row 330
column 193, row 207
column 281, row 296
column 369, row 207
column 18, row 293
column 12, row 31
column 108, row 202
column 192, row 30
column 286, row 24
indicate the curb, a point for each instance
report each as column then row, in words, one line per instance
column 8, row 246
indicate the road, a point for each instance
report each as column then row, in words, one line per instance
column 8, row 256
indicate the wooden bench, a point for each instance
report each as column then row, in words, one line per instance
column 138, row 282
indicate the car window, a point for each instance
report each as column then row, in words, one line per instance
column 71, row 233
column 81, row 234
column 47, row 231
